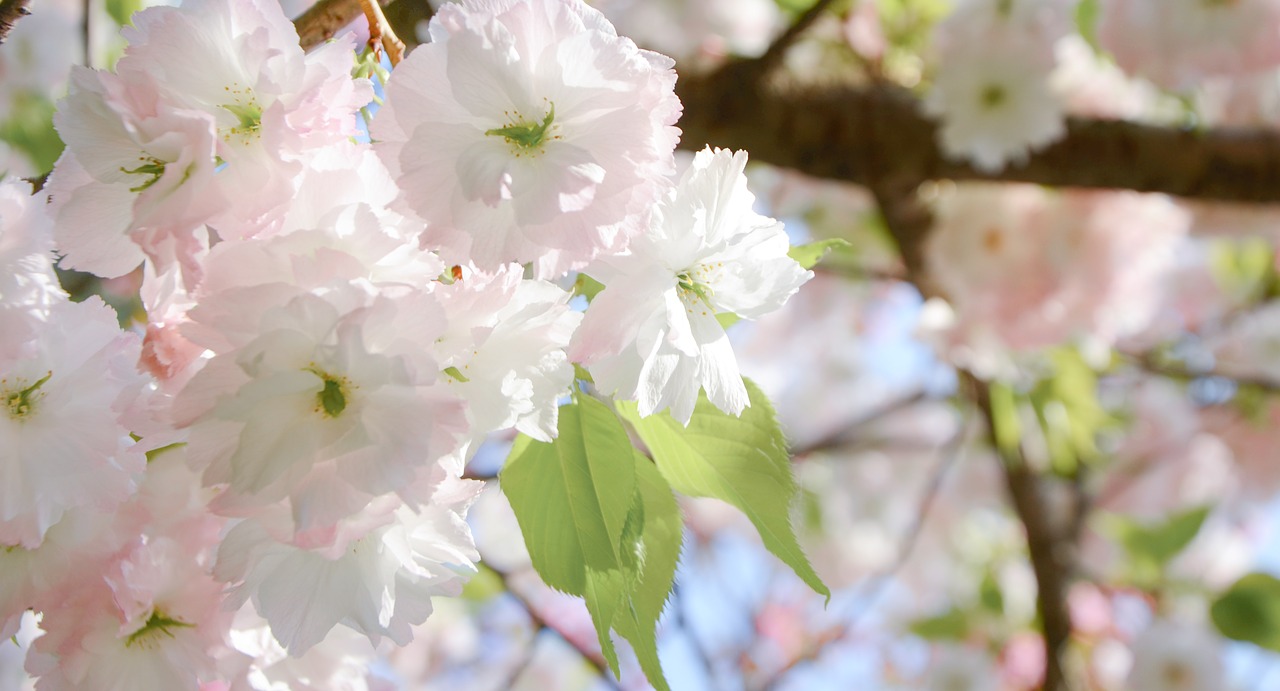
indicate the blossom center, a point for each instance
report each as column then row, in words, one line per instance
column 248, row 114
column 526, row 135
column 332, row 399
column 150, row 166
column 694, row 284
column 157, row 627
column 19, row 403
column 993, row 96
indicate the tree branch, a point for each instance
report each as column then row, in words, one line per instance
column 877, row 133
column 1049, row 547
column 778, row 49
column 10, row 12
column 380, row 32
column 319, row 23
column 404, row 16
column 540, row 623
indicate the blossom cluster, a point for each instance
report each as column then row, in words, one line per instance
column 1008, row 71
column 333, row 326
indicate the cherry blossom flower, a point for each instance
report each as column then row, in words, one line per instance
column 27, row 280
column 136, row 180
column 652, row 334
column 61, row 442
column 380, row 584
column 503, row 133
column 1172, row 656
column 303, row 380
column 504, row 350
column 1177, row 43
column 995, row 104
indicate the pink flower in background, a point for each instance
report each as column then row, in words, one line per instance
column 1178, row 43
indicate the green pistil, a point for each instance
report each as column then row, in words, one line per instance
column 158, row 625
column 332, row 399
column 689, row 286
column 152, row 167
column 456, row 374
column 249, row 115
column 526, row 135
column 993, row 96
column 19, row 403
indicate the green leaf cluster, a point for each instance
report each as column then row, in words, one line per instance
column 1246, row 268
column 1063, row 407
column 600, row 519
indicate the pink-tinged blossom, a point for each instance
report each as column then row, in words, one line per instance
column 337, row 381
column 27, row 280
column 698, row 33
column 1027, row 268
column 1177, row 43
column 61, row 442
column 136, row 179
column 1093, row 86
column 152, row 619
column 652, row 335
column 504, row 350
column 1173, row 656
column 240, row 63
column 340, row 662
column 380, row 584
column 503, row 133
column 1032, row 25
column 31, row 577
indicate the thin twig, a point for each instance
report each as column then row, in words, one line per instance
column 1049, row 547
column 381, row 33
column 1150, row 365
column 10, row 12
column 949, row 455
column 850, row 432
column 779, row 47
column 596, row 660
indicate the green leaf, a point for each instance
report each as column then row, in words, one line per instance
column 587, row 286
column 1250, row 611
column 1152, row 546
column 1087, row 21
column 572, row 496
column 809, row 255
column 483, row 586
column 1006, row 427
column 660, row 545
column 604, row 594
column 122, row 10
column 1163, row 541
column 990, row 594
column 727, row 319
column 29, row 129
column 741, row 460
column 952, row 625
